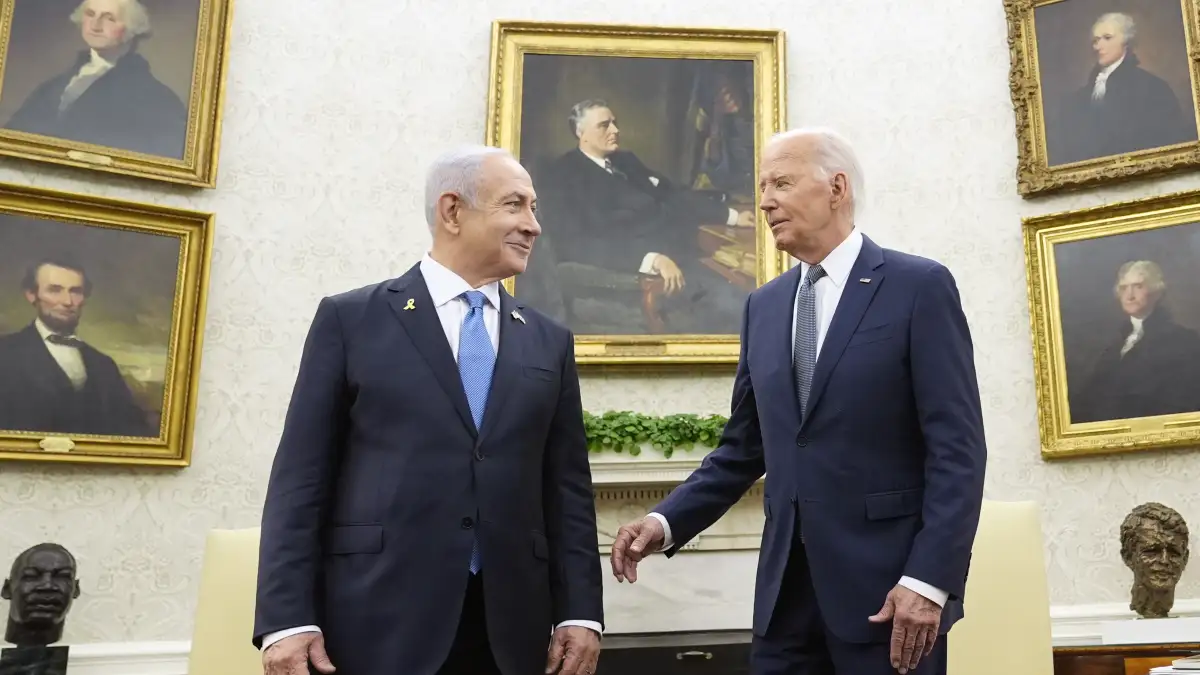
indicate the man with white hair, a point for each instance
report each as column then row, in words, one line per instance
column 1121, row 107
column 430, row 507
column 109, row 96
column 856, row 395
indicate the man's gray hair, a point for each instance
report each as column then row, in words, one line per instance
column 833, row 154
column 133, row 14
column 457, row 171
column 580, row 109
column 1123, row 21
column 1147, row 270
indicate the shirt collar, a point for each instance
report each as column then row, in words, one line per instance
column 1107, row 70
column 444, row 285
column 838, row 263
column 600, row 161
column 100, row 62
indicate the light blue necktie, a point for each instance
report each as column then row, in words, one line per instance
column 476, row 361
column 804, row 351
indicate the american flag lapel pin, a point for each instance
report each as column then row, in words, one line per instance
column 864, row 280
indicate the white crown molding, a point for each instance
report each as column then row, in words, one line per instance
column 651, row 467
column 1071, row 626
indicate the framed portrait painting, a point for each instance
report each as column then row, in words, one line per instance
column 1114, row 296
column 101, row 316
column 125, row 86
column 1104, row 90
column 642, row 144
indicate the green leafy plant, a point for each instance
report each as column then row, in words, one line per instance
column 624, row 431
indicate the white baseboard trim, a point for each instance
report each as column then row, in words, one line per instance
column 1071, row 626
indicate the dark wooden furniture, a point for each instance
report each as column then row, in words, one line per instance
column 699, row 653
column 1118, row 659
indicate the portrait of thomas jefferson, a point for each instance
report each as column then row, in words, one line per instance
column 110, row 94
column 1149, row 362
column 1123, row 103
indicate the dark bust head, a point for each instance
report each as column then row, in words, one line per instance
column 40, row 589
column 1154, row 544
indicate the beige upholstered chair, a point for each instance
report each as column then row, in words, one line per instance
column 225, row 611
column 1007, row 626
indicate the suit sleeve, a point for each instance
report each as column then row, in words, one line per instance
column 946, row 393
column 300, row 482
column 570, row 508
column 727, row 472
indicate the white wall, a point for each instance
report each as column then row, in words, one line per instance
column 333, row 111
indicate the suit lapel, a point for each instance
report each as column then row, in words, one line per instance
column 410, row 301
column 508, row 361
column 856, row 297
column 781, row 383
column 42, row 362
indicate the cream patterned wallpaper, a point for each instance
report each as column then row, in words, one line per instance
column 332, row 114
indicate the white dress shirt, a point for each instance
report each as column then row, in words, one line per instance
column 91, row 71
column 1100, row 88
column 446, row 288
column 828, row 290
column 649, row 260
column 1134, row 336
column 67, row 357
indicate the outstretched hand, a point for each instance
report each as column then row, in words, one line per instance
column 634, row 542
column 915, row 621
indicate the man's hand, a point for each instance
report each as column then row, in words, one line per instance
column 915, row 621
column 634, row 542
column 671, row 274
column 746, row 219
column 576, row 649
column 291, row 655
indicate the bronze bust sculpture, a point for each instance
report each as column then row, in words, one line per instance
column 40, row 589
column 1154, row 544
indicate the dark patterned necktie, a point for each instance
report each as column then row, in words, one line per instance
column 64, row 340
column 804, row 351
column 608, row 166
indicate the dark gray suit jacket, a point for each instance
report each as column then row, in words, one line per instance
column 381, row 483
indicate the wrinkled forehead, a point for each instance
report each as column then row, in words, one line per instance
column 500, row 173
column 597, row 115
column 41, row 560
column 113, row 7
column 1134, row 278
column 1109, row 27
column 787, row 157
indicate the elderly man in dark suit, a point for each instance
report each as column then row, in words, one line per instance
column 430, row 509
column 53, row 382
column 856, row 395
column 610, row 210
column 109, row 96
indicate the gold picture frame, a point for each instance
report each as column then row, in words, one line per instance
column 191, row 108
column 617, row 66
column 1147, row 124
column 135, row 286
column 1106, row 382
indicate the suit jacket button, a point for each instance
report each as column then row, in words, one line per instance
column 467, row 523
column 801, row 441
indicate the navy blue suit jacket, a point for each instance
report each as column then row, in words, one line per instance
column 884, row 475
column 381, row 483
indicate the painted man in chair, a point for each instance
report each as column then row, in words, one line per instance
column 610, row 210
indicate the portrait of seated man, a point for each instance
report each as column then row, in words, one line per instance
column 1150, row 361
column 603, row 208
column 1121, row 106
column 109, row 96
column 53, row 382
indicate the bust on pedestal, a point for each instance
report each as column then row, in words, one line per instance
column 40, row 589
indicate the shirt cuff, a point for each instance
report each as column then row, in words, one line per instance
column 933, row 593
column 272, row 638
column 586, row 624
column 648, row 264
column 668, row 541
column 732, row 219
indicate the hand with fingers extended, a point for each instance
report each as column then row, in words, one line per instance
column 292, row 655
column 574, row 650
column 634, row 542
column 915, row 621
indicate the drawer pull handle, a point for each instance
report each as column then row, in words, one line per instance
column 707, row 655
